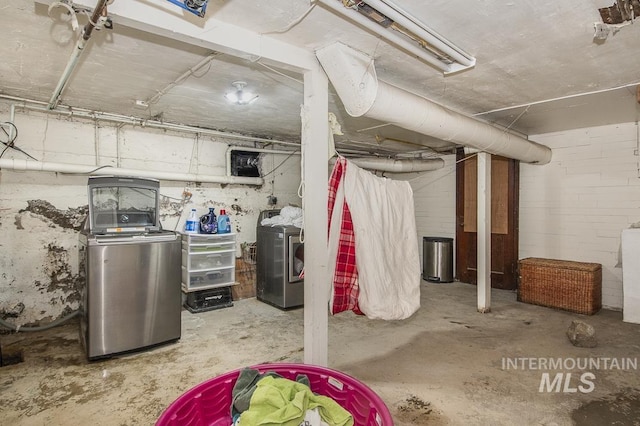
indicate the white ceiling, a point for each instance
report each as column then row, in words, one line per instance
column 538, row 68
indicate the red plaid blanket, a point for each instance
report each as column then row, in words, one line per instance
column 345, row 278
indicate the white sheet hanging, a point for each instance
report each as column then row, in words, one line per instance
column 386, row 240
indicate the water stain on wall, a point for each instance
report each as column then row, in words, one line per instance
column 72, row 218
column 18, row 222
column 237, row 209
column 59, row 270
column 57, row 265
column 170, row 208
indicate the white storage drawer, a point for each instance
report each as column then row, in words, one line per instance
column 210, row 238
column 197, row 243
column 207, row 279
column 209, row 260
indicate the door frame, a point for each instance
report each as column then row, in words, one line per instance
column 467, row 241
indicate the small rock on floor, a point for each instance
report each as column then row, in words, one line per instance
column 582, row 335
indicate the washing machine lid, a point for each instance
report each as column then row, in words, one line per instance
column 123, row 204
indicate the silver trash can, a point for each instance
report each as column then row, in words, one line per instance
column 437, row 259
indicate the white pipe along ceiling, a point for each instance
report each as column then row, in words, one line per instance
column 97, row 20
column 354, row 77
column 117, row 118
column 397, row 166
column 44, row 166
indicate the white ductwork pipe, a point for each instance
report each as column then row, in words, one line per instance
column 42, row 166
column 398, row 166
column 354, row 77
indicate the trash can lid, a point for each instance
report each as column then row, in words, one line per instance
column 438, row 239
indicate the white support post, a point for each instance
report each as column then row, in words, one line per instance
column 484, row 232
column 315, row 166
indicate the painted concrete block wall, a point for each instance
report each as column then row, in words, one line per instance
column 41, row 213
column 576, row 207
column 434, row 195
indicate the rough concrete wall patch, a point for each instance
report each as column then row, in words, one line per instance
column 72, row 218
column 170, row 208
column 53, row 264
column 59, row 270
column 18, row 222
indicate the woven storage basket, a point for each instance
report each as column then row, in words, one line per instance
column 562, row 284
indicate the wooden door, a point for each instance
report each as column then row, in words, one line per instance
column 504, row 220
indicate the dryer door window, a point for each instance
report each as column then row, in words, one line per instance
column 296, row 258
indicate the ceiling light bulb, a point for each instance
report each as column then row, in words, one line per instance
column 240, row 97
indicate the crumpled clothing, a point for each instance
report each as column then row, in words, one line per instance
column 289, row 215
column 246, row 384
column 312, row 418
column 282, row 402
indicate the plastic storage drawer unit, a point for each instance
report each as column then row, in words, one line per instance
column 208, row 261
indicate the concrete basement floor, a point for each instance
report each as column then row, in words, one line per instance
column 443, row 366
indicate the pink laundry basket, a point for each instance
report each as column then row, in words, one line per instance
column 209, row 403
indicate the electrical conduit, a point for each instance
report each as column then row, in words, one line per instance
column 77, row 52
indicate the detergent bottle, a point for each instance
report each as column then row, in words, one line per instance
column 191, row 225
column 209, row 223
column 224, row 224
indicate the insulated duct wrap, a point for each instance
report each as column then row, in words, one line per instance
column 398, row 166
column 354, row 77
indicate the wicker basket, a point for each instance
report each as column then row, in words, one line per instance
column 562, row 284
column 249, row 253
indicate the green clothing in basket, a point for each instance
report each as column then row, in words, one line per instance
column 279, row 401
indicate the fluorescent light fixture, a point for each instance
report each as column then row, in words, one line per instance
column 405, row 31
column 240, row 96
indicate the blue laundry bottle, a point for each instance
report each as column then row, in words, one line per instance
column 224, row 224
column 191, row 225
column 209, row 223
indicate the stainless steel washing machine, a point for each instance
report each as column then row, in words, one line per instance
column 279, row 263
column 131, row 298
